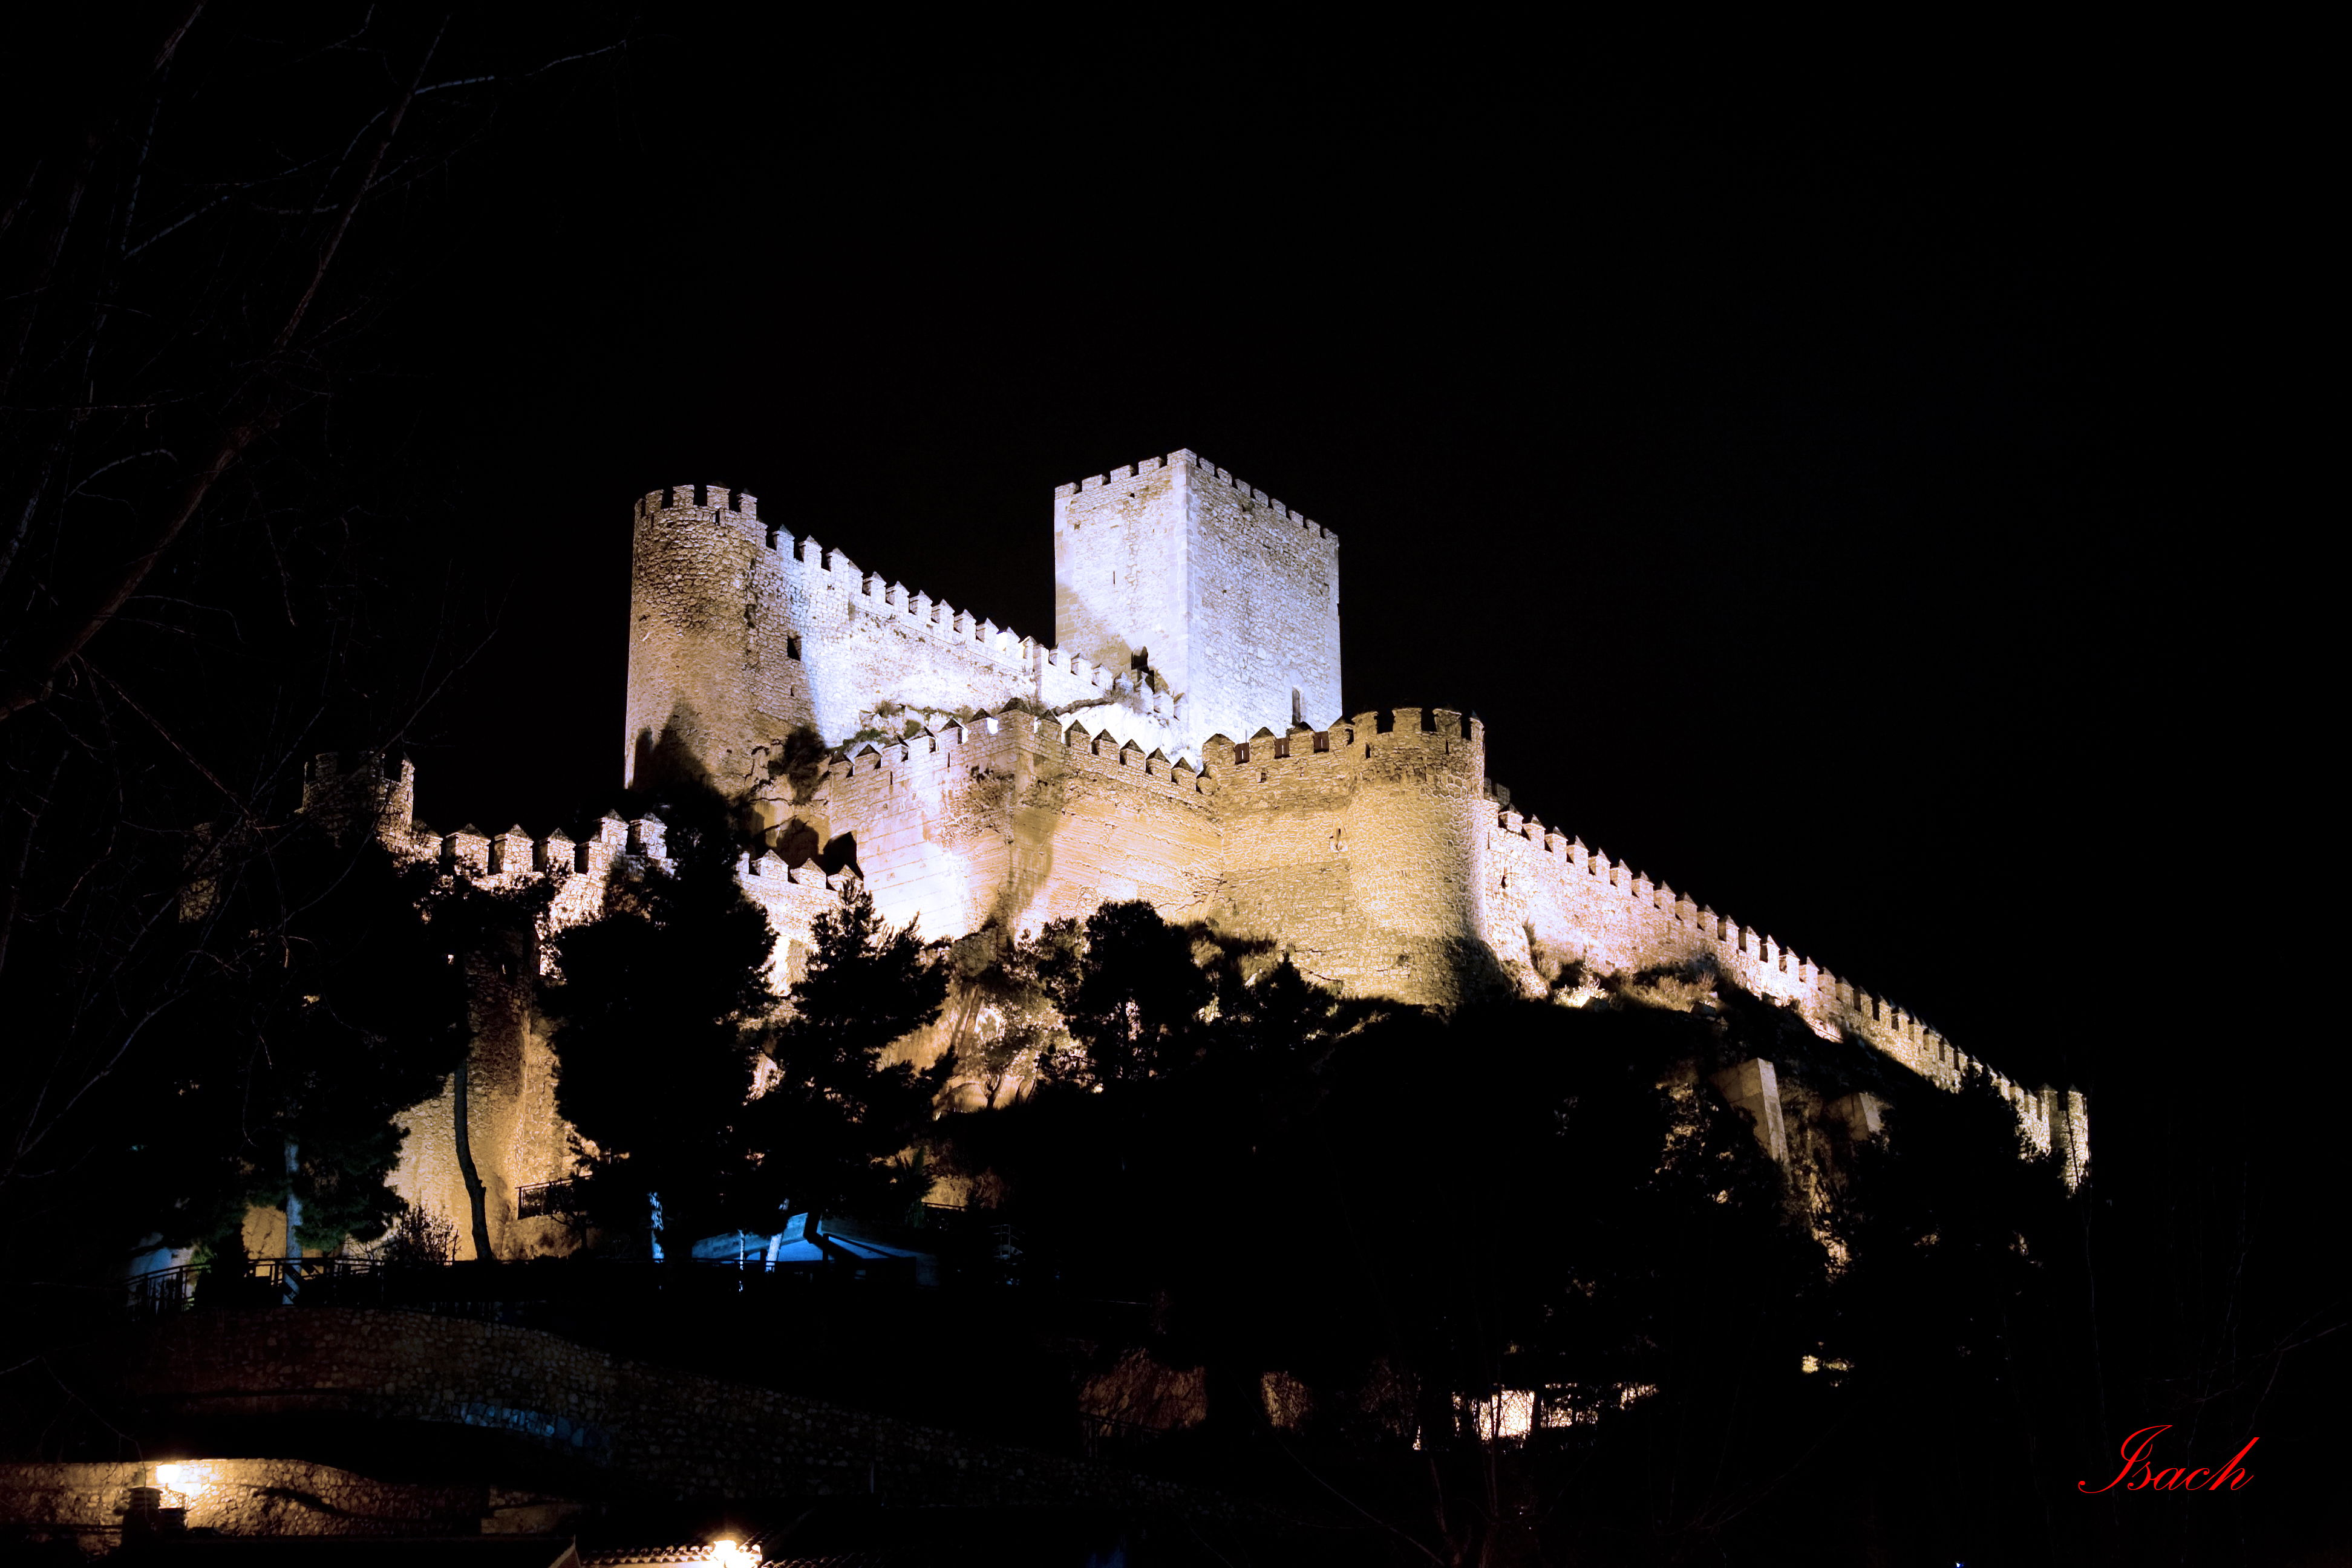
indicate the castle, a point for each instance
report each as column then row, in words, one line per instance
column 1181, row 741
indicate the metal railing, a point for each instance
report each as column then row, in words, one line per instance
column 259, row 1283
column 492, row 1288
column 1101, row 1436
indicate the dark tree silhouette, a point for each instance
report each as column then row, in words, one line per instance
column 657, row 1011
column 209, row 211
column 1131, row 992
column 829, row 1126
column 334, row 995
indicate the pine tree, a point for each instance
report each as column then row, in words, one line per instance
column 658, row 1008
column 343, row 1003
column 1133, row 994
column 829, row 1128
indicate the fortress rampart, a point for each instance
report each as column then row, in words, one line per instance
column 1029, row 782
column 515, row 1134
column 1550, row 899
column 1371, row 852
column 741, row 633
column 1019, row 820
column 1228, row 595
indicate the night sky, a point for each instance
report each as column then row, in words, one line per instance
column 1746, row 447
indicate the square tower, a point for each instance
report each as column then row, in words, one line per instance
column 1229, row 597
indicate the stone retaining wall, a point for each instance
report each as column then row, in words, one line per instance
column 656, row 1431
column 248, row 1496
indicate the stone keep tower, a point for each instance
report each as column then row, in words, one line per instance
column 715, row 664
column 1230, row 598
column 1187, row 604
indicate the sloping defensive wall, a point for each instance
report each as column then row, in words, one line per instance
column 740, row 634
column 1373, row 852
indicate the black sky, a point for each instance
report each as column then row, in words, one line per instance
column 1761, row 453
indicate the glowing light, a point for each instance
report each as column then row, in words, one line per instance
column 187, row 1480
column 733, row 1554
column 1506, row 1417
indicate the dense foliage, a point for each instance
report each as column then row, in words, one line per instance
column 689, row 1079
column 1527, row 1285
column 830, row 1126
column 657, row 1012
column 328, row 989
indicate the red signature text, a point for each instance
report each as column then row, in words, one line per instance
column 2137, row 1475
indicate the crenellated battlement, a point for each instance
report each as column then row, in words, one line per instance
column 1626, row 921
column 703, row 501
column 1158, row 746
column 370, row 790
column 989, row 740
column 1442, row 734
column 807, row 609
column 1435, row 734
column 581, row 869
column 1184, row 458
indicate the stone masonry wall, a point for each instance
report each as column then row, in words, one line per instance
column 243, row 1497
column 1370, row 850
column 1120, row 567
column 516, row 1135
column 1019, row 821
column 738, row 634
column 1234, row 596
column 1356, row 851
column 1266, row 610
column 1372, row 853
column 1548, row 899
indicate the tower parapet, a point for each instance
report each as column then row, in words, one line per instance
column 705, row 635
column 1230, row 596
column 370, row 792
column 741, row 633
column 1163, row 747
column 1546, row 898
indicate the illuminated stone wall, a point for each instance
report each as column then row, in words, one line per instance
column 1022, row 822
column 1356, row 851
column 245, row 1497
column 1234, row 596
column 740, row 633
column 517, row 1137
column 1373, row 853
column 1374, row 850
column 1550, row 901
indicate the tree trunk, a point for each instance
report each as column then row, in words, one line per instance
column 293, row 1220
column 475, row 1196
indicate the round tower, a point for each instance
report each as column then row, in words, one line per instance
column 368, row 791
column 1415, row 843
column 703, row 609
